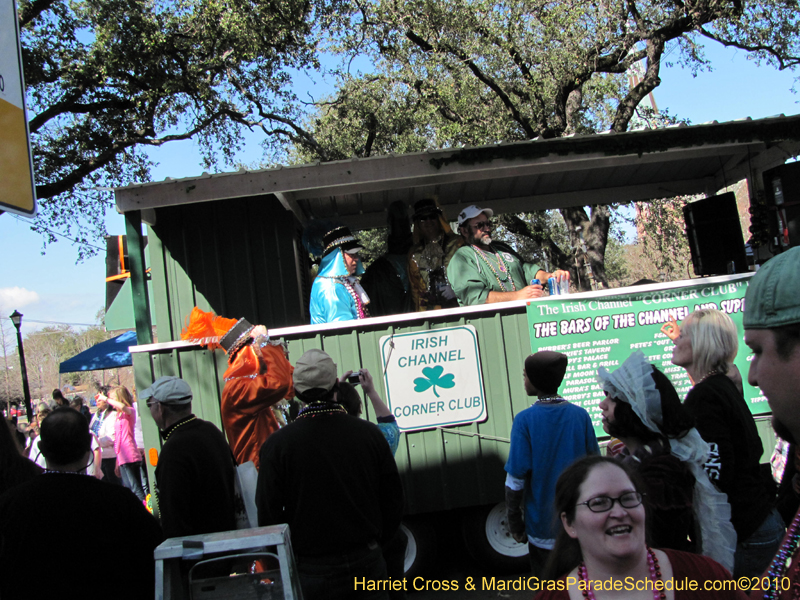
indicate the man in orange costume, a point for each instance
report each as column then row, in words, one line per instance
column 258, row 376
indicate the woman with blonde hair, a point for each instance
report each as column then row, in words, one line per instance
column 707, row 345
column 128, row 457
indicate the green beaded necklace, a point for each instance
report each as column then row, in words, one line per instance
column 501, row 263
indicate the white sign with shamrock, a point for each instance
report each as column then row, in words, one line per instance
column 433, row 378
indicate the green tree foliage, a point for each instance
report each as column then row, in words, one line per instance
column 374, row 242
column 470, row 72
column 617, row 268
column 661, row 251
column 108, row 78
column 369, row 116
column 551, row 68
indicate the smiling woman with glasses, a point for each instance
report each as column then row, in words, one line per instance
column 604, row 539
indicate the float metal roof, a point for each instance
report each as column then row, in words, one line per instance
column 517, row 176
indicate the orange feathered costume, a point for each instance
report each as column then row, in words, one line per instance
column 255, row 380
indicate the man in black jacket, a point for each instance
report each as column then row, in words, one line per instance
column 333, row 479
column 195, row 473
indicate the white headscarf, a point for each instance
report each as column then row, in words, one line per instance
column 633, row 383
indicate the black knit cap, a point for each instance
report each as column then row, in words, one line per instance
column 426, row 206
column 546, row 370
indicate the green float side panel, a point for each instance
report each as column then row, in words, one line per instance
column 138, row 279
column 120, row 315
column 235, row 258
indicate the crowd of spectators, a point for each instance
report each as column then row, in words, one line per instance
column 683, row 495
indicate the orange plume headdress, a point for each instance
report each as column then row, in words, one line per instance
column 205, row 328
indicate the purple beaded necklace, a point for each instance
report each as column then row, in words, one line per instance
column 361, row 308
column 783, row 559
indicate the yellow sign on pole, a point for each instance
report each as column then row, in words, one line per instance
column 17, row 185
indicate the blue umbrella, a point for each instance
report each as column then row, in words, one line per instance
column 110, row 354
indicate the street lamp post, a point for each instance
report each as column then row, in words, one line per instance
column 16, row 319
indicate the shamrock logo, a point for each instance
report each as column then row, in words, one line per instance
column 434, row 378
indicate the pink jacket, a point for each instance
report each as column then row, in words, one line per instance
column 124, row 442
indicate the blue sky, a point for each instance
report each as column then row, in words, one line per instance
column 52, row 288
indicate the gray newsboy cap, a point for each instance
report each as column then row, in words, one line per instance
column 168, row 390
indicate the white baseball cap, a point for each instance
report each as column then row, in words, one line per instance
column 471, row 212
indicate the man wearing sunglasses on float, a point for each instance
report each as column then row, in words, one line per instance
column 485, row 271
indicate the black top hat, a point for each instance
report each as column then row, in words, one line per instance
column 426, row 206
column 237, row 336
column 340, row 238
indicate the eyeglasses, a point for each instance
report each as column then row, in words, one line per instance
column 601, row 504
column 151, row 403
column 429, row 217
column 487, row 225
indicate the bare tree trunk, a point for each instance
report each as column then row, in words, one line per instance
column 588, row 237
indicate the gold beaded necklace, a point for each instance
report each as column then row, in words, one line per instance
column 174, row 427
column 707, row 375
column 501, row 264
column 315, row 409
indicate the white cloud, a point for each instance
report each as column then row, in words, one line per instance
column 13, row 298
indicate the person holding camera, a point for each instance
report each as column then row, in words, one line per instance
column 352, row 404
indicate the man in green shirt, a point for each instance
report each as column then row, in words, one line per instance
column 484, row 271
